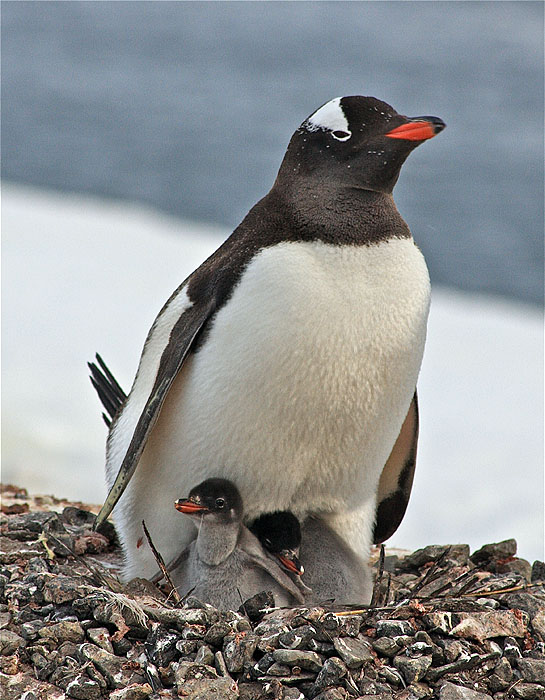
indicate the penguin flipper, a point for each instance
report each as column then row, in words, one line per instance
column 253, row 549
column 180, row 341
column 109, row 392
column 396, row 479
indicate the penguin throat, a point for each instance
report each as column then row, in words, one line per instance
column 349, row 215
column 216, row 541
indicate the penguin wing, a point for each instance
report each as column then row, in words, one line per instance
column 181, row 338
column 251, row 546
column 396, row 480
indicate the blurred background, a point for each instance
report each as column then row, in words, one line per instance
column 136, row 135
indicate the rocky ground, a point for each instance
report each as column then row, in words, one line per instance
column 444, row 623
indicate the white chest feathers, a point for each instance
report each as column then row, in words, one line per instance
column 305, row 377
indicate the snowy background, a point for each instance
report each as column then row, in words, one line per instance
column 167, row 121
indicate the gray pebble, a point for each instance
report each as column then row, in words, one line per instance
column 308, row 660
column 29, row 630
column 204, row 656
column 216, row 633
column 419, row 649
column 412, row 670
column 394, row 628
column 538, row 571
column 511, row 649
column 136, row 691
column 495, row 551
column 101, row 637
column 386, row 646
column 532, row 670
column 238, row 649
column 277, row 669
column 332, row 694
column 391, row 675
column 353, row 651
column 451, row 691
column 528, row 691
column 331, row 674
column 108, row 664
column 160, row 645
column 457, row 554
column 83, row 688
column 10, row 642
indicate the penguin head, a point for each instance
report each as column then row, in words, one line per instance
column 280, row 534
column 217, row 499
column 357, row 142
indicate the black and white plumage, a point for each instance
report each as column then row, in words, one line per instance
column 290, row 356
column 226, row 564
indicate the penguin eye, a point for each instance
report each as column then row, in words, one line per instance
column 341, row 135
column 267, row 542
column 220, row 503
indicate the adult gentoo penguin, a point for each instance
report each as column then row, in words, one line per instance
column 290, row 356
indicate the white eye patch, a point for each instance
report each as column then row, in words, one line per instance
column 331, row 118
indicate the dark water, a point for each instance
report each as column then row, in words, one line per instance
column 188, row 106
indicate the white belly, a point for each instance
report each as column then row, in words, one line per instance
column 297, row 394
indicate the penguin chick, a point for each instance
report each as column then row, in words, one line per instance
column 225, row 565
column 280, row 534
column 332, row 570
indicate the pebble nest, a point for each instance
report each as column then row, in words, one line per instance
column 443, row 623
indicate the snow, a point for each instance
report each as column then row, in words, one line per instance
column 83, row 275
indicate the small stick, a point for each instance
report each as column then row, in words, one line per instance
column 469, row 585
column 161, row 563
column 378, row 580
column 432, row 574
column 387, row 596
column 522, row 587
column 455, row 582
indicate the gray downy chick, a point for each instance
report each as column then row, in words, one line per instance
column 332, row 569
column 280, row 535
column 225, row 565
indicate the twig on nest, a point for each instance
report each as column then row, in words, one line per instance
column 161, row 563
column 522, row 587
column 378, row 579
column 433, row 573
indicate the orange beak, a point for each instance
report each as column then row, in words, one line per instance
column 291, row 563
column 186, row 505
column 418, row 129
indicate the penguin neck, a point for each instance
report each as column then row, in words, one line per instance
column 216, row 540
column 339, row 214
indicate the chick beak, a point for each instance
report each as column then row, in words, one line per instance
column 289, row 561
column 190, row 506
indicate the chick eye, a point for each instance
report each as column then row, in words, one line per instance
column 341, row 135
column 220, row 502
